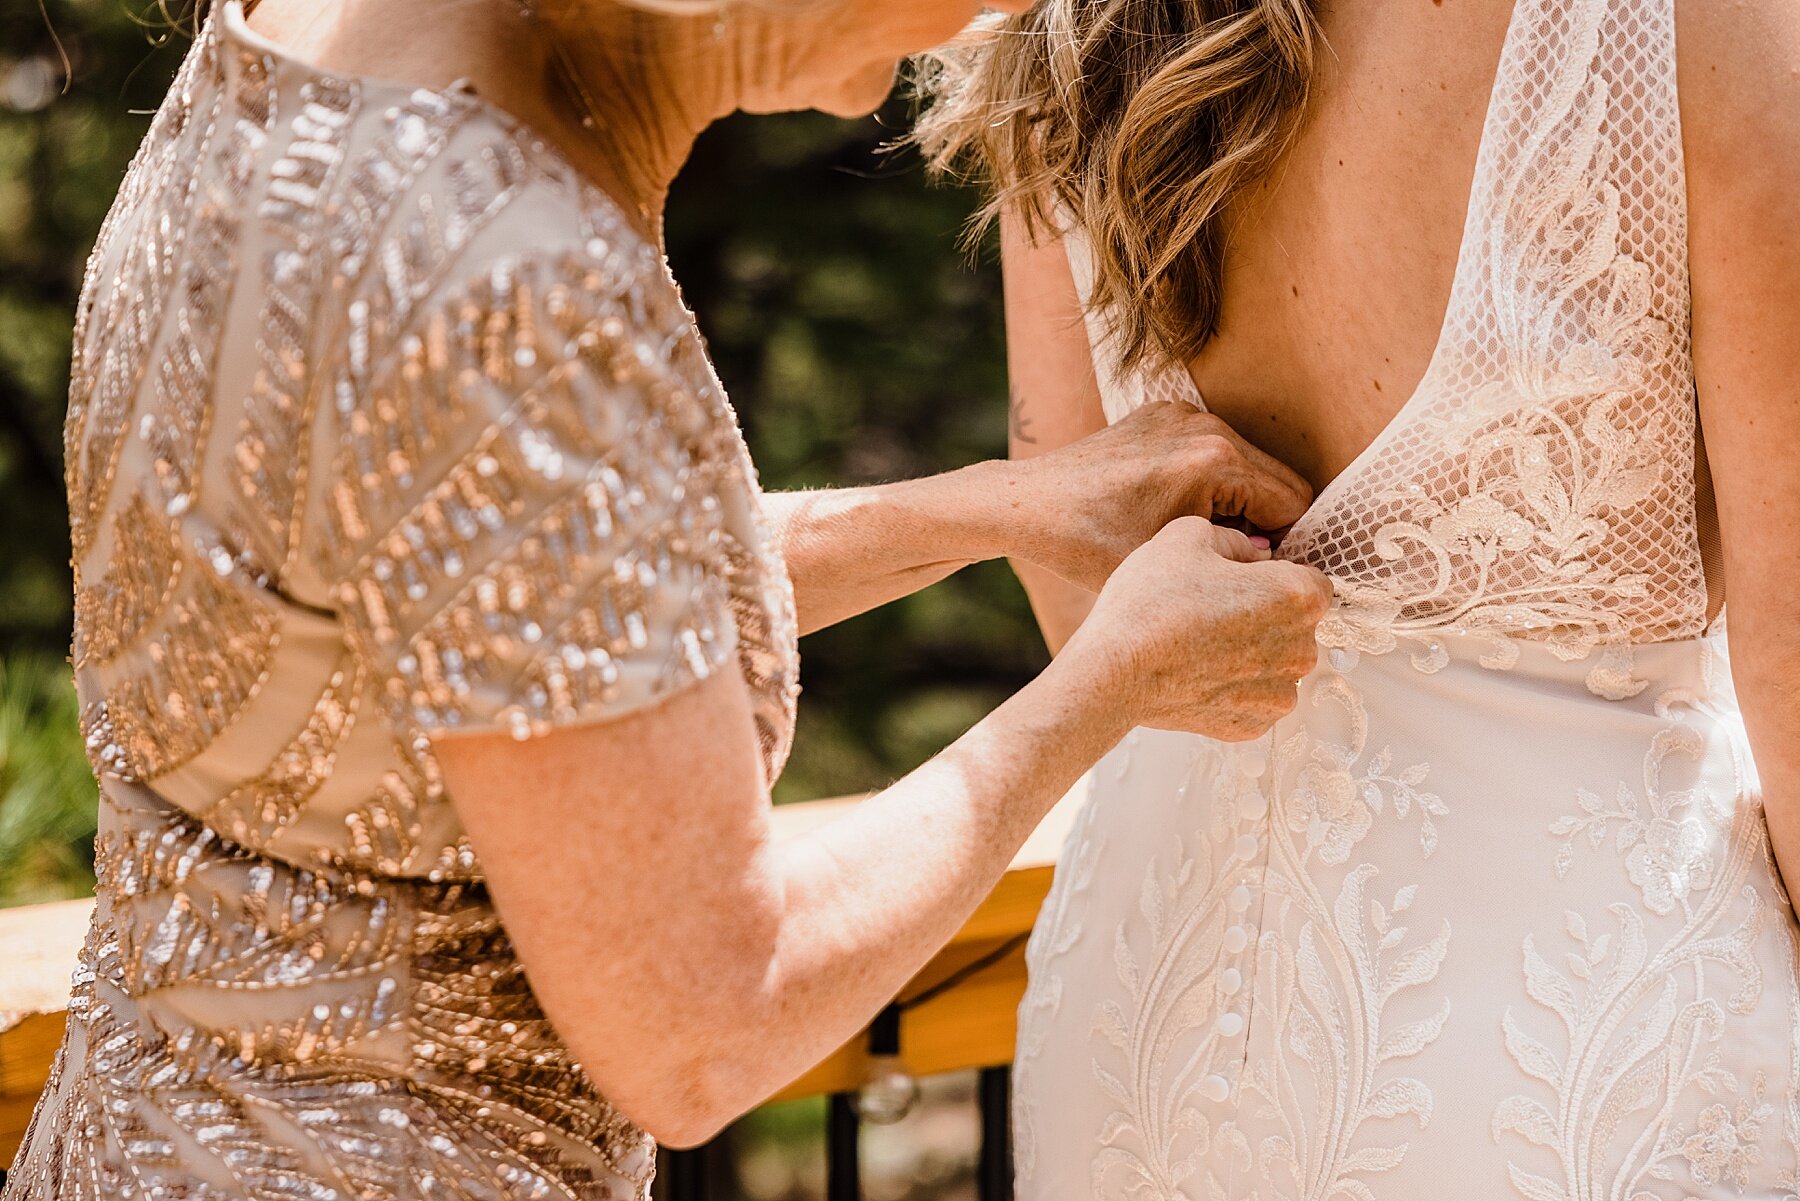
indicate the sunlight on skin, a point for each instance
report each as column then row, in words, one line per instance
column 691, row 965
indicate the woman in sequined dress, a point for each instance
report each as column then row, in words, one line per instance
column 432, row 632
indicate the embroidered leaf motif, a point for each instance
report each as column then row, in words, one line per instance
column 1111, row 1086
column 1419, row 965
column 1124, row 962
column 1531, row 1056
column 1535, row 1188
column 1527, row 1117
column 1115, row 1128
column 1109, row 1023
column 1373, row 1159
column 1399, row 1096
column 1545, row 985
column 1413, row 1037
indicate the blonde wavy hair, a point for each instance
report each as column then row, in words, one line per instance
column 1140, row 121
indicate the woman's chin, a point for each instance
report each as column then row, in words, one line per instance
column 861, row 94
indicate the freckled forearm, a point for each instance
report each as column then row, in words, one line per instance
column 853, row 549
column 868, row 899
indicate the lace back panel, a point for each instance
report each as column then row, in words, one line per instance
column 1539, row 483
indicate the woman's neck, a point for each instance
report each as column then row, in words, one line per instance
column 623, row 106
column 633, row 93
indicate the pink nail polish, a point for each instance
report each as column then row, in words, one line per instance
column 1259, row 542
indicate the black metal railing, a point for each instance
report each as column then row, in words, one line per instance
column 689, row 1175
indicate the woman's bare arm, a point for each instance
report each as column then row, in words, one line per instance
column 1076, row 497
column 1072, row 515
column 1054, row 398
column 1740, row 88
column 1055, row 408
column 694, row 966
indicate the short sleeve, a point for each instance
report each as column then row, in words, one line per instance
column 530, row 524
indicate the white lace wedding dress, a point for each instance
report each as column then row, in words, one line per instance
column 1492, row 914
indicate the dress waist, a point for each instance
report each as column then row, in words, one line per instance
column 1694, row 673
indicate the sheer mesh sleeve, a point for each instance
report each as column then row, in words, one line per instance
column 531, row 517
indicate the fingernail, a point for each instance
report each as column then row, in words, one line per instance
column 1259, row 542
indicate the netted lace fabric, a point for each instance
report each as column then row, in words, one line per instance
column 1539, row 481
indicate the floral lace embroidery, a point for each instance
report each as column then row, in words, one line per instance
column 1539, row 483
column 1328, row 966
column 1517, row 507
column 1334, row 806
column 1724, row 1145
column 1174, row 1058
column 1531, row 506
column 1643, row 1016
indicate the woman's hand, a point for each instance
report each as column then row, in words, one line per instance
column 1196, row 631
column 1078, row 511
column 694, row 964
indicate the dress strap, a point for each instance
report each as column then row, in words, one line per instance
column 1577, row 225
column 1121, row 392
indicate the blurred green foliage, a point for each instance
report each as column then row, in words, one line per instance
column 46, row 820
column 856, row 338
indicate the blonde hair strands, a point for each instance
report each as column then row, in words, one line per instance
column 1139, row 119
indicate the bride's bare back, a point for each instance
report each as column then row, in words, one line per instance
column 1340, row 264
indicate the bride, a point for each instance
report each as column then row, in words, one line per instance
column 1497, row 912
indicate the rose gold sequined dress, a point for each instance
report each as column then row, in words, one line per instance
column 383, row 424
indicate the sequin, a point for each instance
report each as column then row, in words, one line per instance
column 197, row 675
column 383, row 424
column 115, row 610
column 271, row 456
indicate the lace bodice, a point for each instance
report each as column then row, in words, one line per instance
column 1539, row 483
column 384, row 425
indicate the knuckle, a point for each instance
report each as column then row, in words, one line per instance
column 1176, row 531
column 1215, row 450
column 1316, row 592
column 1299, row 590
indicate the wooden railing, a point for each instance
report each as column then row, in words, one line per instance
column 955, row 1015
